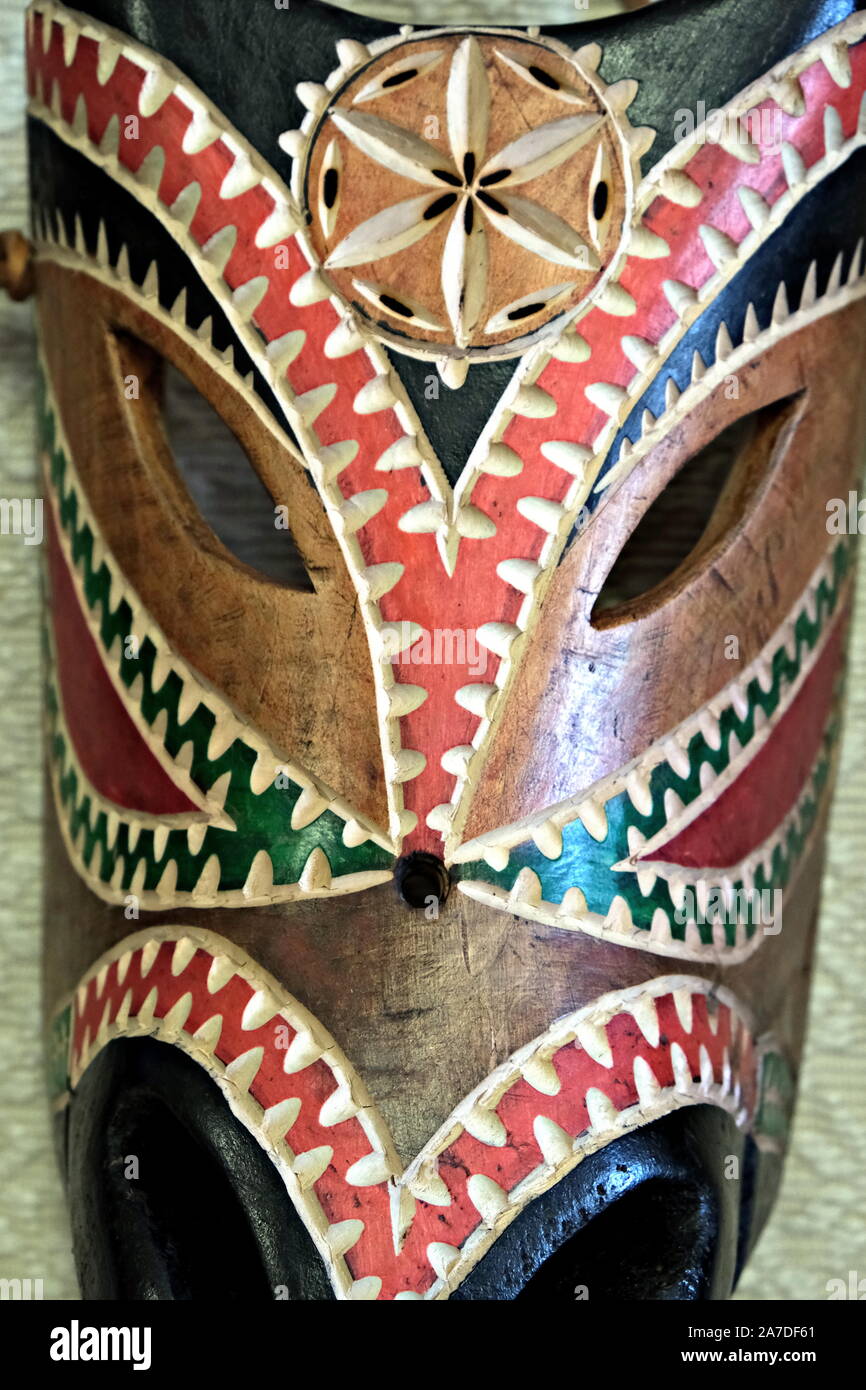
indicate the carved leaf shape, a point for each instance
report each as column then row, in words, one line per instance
column 464, row 273
column 541, row 231
column 400, row 74
column 391, row 230
column 542, row 149
column 468, row 103
column 392, row 146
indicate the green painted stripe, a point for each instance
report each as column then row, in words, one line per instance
column 57, row 1053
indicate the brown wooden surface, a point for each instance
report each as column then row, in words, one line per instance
column 297, row 665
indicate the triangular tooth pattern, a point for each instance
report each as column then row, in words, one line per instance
column 601, row 1111
column 292, row 143
column 555, row 1144
column 647, row 245
column 718, row 245
column 681, row 297
column 617, row 301
column 243, row 1070
column 592, row 1037
column 200, row 134
column 788, row 94
column 488, row 1198
column 837, row 61
column 834, row 135
column 793, row 165
column 810, row 288
column 607, row 397
column 485, row 1126
column 679, row 188
column 641, row 353
column 756, row 208
column 533, row 403
column 781, row 311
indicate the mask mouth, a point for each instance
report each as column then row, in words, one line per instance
column 172, row 1197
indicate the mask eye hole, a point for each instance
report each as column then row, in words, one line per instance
column 688, row 524
column 225, row 487
column 213, row 479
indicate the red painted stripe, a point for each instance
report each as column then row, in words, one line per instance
column 755, row 804
column 112, row 753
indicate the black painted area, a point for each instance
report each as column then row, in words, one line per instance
column 656, row 1215
column 452, row 420
column 682, row 52
column 65, row 181
column 651, row 1217
column 207, row 1216
column 687, row 51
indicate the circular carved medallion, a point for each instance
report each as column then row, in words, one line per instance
column 464, row 192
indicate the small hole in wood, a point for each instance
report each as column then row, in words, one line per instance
column 330, row 187
column 496, row 177
column 493, row 203
column 398, row 78
column 600, row 200
column 439, row 206
column 525, row 311
column 422, row 879
column 395, row 305
column 545, row 78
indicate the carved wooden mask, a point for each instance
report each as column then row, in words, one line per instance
column 441, row 431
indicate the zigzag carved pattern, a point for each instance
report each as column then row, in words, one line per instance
column 621, row 1062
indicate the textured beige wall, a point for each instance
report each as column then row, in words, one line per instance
column 817, row 1232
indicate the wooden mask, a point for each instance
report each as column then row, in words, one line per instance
column 438, row 781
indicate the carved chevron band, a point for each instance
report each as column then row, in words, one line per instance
column 621, row 1062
